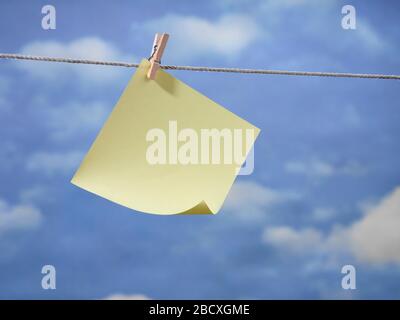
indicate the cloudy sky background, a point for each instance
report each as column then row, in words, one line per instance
column 326, row 186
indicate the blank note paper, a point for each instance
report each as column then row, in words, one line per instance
column 166, row 149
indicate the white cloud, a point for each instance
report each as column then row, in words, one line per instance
column 307, row 241
column 249, row 200
column 274, row 6
column 18, row 217
column 91, row 48
column 319, row 168
column 365, row 33
column 34, row 194
column 323, row 214
column 277, row 5
column 375, row 238
column 74, row 118
column 193, row 36
column 50, row 163
column 313, row 168
column 118, row 296
column 288, row 238
column 369, row 36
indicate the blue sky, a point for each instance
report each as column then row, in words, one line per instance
column 324, row 193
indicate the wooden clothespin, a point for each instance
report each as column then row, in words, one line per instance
column 160, row 41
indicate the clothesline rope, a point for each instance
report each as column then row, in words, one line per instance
column 204, row 69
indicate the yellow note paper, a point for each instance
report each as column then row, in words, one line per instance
column 166, row 149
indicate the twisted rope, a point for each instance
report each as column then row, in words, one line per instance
column 204, row 69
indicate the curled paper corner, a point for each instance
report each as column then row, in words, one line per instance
column 201, row 208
